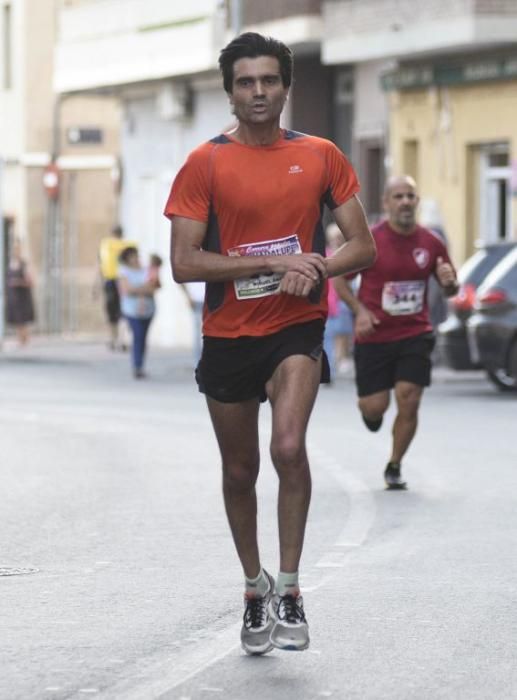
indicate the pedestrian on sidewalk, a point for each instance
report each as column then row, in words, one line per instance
column 137, row 290
column 109, row 251
column 339, row 328
column 195, row 295
column 20, row 303
column 394, row 336
column 246, row 219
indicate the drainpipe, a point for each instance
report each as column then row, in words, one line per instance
column 2, row 261
column 53, row 240
column 236, row 8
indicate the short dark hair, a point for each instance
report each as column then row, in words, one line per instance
column 117, row 231
column 127, row 253
column 252, row 45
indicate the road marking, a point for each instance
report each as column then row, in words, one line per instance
column 207, row 689
column 360, row 518
column 167, row 675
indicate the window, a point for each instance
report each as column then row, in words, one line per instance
column 495, row 193
column 6, row 47
column 411, row 159
column 344, row 109
column 371, row 175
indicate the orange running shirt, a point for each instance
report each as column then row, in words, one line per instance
column 261, row 200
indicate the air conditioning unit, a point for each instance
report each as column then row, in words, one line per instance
column 174, row 101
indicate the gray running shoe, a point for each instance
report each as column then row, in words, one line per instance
column 290, row 631
column 257, row 624
column 393, row 477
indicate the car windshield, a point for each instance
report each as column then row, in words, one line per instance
column 506, row 266
column 475, row 269
column 470, row 265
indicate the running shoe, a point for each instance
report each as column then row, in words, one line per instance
column 393, row 477
column 257, row 623
column 290, row 630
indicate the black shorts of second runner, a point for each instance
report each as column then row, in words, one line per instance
column 379, row 366
column 232, row 370
column 112, row 299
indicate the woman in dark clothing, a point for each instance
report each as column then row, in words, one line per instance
column 20, row 307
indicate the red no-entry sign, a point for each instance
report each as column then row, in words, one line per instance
column 51, row 180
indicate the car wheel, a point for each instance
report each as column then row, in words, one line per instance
column 506, row 379
column 502, row 380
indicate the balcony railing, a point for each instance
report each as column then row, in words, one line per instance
column 360, row 30
column 254, row 12
column 116, row 42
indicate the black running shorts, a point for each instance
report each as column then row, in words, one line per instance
column 379, row 366
column 112, row 301
column 236, row 369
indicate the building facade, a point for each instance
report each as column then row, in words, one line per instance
column 457, row 134
column 159, row 60
column 81, row 135
column 447, row 69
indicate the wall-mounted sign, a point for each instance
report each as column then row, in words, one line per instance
column 51, row 180
column 453, row 73
column 79, row 135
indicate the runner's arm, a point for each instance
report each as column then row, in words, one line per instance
column 359, row 251
column 190, row 263
column 446, row 276
column 346, row 294
column 365, row 320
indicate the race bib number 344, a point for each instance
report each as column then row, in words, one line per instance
column 263, row 285
column 403, row 298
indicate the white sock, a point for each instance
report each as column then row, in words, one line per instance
column 258, row 586
column 287, row 584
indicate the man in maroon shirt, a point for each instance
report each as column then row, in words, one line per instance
column 393, row 333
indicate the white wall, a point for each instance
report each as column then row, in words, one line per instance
column 153, row 150
column 117, row 42
column 371, row 109
column 12, row 136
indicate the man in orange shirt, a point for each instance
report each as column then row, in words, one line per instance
column 246, row 218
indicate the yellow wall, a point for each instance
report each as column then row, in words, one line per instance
column 447, row 123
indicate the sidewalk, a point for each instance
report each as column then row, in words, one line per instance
column 89, row 350
column 77, row 348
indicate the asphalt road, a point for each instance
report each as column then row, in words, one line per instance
column 111, row 496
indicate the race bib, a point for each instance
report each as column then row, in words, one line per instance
column 262, row 285
column 403, row 298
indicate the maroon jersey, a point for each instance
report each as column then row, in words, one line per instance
column 394, row 288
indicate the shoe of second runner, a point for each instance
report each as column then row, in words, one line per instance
column 290, row 629
column 257, row 623
column 393, row 477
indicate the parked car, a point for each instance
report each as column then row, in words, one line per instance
column 492, row 328
column 452, row 342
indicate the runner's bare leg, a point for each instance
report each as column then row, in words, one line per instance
column 236, row 430
column 374, row 406
column 408, row 397
column 292, row 390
